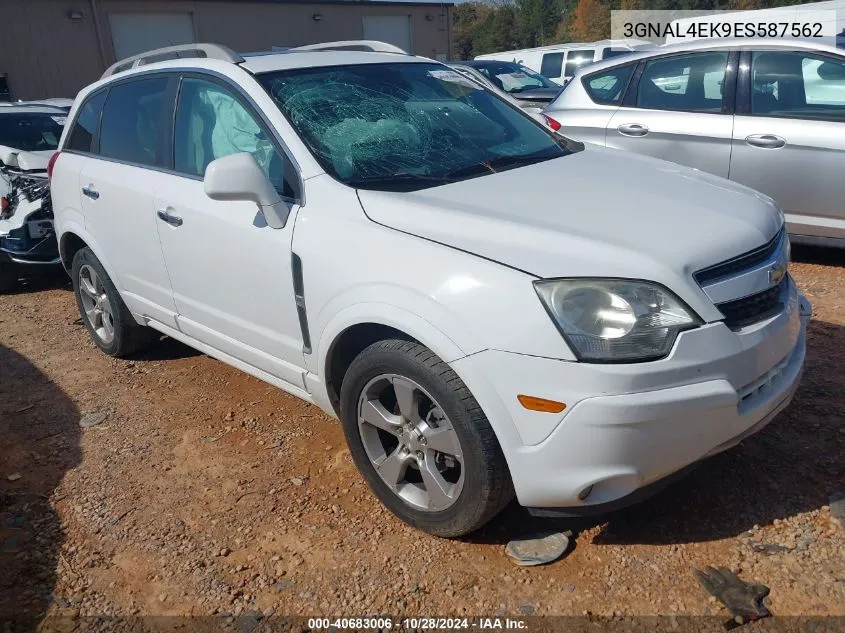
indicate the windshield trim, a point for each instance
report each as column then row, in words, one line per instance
column 568, row 145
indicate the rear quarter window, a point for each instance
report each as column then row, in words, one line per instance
column 82, row 134
column 608, row 87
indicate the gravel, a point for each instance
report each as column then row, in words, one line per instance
column 150, row 519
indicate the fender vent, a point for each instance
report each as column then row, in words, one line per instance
column 299, row 298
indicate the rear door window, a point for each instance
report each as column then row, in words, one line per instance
column 797, row 85
column 132, row 122
column 575, row 59
column 685, row 83
column 81, row 137
column 551, row 65
column 608, row 87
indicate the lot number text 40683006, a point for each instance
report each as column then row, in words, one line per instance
column 415, row 624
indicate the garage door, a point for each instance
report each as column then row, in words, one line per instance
column 393, row 29
column 134, row 33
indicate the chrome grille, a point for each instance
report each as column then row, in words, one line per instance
column 741, row 262
column 749, row 310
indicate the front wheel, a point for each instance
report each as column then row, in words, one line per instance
column 421, row 440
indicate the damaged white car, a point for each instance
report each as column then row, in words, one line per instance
column 29, row 134
column 379, row 236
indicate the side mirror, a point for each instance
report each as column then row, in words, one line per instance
column 8, row 156
column 238, row 177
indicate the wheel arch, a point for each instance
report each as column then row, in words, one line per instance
column 72, row 239
column 357, row 328
column 69, row 246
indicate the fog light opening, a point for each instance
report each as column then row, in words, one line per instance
column 585, row 492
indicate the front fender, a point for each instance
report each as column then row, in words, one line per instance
column 379, row 313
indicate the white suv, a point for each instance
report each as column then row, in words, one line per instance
column 374, row 233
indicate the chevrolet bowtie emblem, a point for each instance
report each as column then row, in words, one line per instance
column 777, row 272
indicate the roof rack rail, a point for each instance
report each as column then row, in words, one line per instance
column 208, row 51
column 369, row 46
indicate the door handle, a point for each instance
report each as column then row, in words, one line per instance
column 765, row 141
column 632, row 129
column 91, row 192
column 167, row 216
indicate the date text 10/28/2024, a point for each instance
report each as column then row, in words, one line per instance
column 416, row 624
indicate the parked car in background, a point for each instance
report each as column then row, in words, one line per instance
column 765, row 113
column 528, row 89
column 532, row 109
column 398, row 253
column 27, row 236
column 559, row 62
column 58, row 103
column 31, row 128
column 29, row 135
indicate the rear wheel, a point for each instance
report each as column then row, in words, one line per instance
column 421, row 441
column 107, row 318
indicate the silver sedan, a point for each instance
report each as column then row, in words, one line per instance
column 766, row 113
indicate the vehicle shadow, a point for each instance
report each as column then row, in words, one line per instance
column 41, row 442
column 790, row 467
column 827, row 256
column 165, row 348
column 49, row 279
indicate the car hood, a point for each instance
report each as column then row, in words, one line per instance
column 597, row 212
column 30, row 160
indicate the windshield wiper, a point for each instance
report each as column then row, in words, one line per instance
column 468, row 171
column 500, row 163
column 403, row 181
column 524, row 88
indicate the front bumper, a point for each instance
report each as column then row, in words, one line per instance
column 628, row 426
column 20, row 247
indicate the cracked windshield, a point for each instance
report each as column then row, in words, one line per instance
column 406, row 126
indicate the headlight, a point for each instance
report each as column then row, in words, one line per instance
column 615, row 320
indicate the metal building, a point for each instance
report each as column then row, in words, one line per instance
column 52, row 48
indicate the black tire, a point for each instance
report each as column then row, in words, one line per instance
column 487, row 486
column 128, row 337
column 8, row 278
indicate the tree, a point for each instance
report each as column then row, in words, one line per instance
column 538, row 20
column 466, row 18
column 590, row 21
column 496, row 32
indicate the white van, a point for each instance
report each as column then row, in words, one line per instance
column 559, row 62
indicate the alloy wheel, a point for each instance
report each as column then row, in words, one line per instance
column 96, row 304
column 411, row 442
